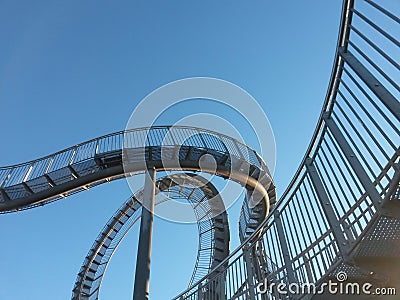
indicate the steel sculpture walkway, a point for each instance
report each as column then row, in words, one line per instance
column 340, row 215
column 101, row 160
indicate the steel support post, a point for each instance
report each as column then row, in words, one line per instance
column 326, row 205
column 199, row 292
column 309, row 273
column 4, row 195
column 285, row 248
column 248, row 258
column 221, row 286
column 373, row 84
column 142, row 275
column 354, row 162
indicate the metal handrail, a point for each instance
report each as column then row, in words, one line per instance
column 344, row 32
column 122, row 132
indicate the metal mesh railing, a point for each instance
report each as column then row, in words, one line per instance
column 19, row 182
column 135, row 138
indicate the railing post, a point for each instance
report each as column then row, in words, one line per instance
column 6, row 178
column 285, row 249
column 221, row 284
column 326, row 205
column 249, row 270
column 142, row 275
column 309, row 273
column 71, row 160
column 3, row 193
column 202, row 139
column 199, row 292
column 354, row 162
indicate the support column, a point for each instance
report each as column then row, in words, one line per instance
column 285, row 248
column 326, row 205
column 142, row 275
column 248, row 258
column 199, row 291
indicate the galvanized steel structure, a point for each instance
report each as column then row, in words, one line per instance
column 341, row 211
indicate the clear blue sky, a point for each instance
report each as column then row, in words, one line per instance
column 74, row 70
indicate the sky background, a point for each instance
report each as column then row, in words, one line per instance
column 74, row 70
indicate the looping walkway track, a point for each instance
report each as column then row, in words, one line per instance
column 101, row 160
column 212, row 221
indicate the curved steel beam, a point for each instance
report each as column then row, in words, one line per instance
column 102, row 159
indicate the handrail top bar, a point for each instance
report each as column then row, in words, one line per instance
column 122, row 132
column 344, row 32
